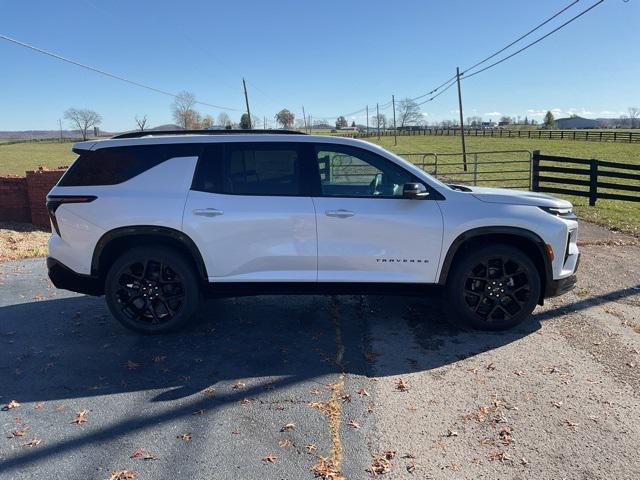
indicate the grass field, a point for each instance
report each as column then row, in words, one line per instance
column 16, row 158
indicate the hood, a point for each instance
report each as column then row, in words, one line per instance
column 516, row 197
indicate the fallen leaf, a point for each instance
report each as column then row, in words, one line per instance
column 142, row 453
column 402, row 385
column 198, row 412
column 21, row 432
column 288, row 427
column 570, row 424
column 353, row 424
column 452, row 433
column 497, row 455
column 363, row 393
column 185, row 437
column 270, row 458
column 389, row 454
column 379, row 465
column 246, row 400
column 131, row 365
column 491, row 366
column 454, row 467
column 285, row 443
column 556, row 404
column 159, row 359
column 12, row 404
column 310, row 447
column 505, row 435
column 123, row 475
column 239, row 385
column 325, row 469
column 411, row 467
column 38, row 405
column 208, row 391
column 35, row 441
column 81, row 417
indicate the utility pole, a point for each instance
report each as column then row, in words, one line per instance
column 246, row 100
column 310, row 124
column 60, row 123
column 378, row 120
column 304, row 117
column 367, row 120
column 395, row 130
column 464, row 149
column 264, row 123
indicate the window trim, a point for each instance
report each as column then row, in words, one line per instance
column 317, row 182
column 305, row 176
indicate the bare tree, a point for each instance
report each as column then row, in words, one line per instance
column 83, row 120
column 224, row 120
column 634, row 113
column 184, row 112
column 206, row 122
column 408, row 112
column 285, row 118
column 141, row 122
column 379, row 121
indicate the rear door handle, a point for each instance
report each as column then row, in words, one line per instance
column 208, row 212
column 339, row 213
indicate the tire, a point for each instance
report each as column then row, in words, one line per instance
column 492, row 288
column 152, row 290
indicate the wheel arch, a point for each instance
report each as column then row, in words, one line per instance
column 118, row 240
column 525, row 240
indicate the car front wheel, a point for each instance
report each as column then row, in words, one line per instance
column 493, row 288
column 152, row 290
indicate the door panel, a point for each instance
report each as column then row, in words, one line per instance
column 253, row 238
column 384, row 240
column 250, row 214
column 367, row 231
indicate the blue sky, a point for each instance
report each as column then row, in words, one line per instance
column 333, row 57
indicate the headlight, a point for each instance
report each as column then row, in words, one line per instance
column 560, row 212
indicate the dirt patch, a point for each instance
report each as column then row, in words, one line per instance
column 22, row 240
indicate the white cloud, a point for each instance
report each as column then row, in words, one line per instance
column 492, row 114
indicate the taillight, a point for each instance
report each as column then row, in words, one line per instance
column 54, row 201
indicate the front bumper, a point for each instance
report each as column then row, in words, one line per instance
column 65, row 278
column 563, row 285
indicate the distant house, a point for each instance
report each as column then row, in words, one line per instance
column 488, row 125
column 576, row 122
column 503, row 124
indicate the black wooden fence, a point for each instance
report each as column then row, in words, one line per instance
column 585, row 135
column 596, row 176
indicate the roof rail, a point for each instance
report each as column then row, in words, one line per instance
column 158, row 133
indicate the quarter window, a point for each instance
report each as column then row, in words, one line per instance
column 113, row 165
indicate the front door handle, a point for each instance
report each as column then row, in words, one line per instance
column 208, row 212
column 339, row 213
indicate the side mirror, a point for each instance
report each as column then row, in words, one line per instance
column 414, row 191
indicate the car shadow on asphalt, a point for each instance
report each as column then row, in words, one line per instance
column 71, row 348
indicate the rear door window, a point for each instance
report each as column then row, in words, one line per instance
column 264, row 169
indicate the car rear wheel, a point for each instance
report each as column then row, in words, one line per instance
column 493, row 288
column 152, row 290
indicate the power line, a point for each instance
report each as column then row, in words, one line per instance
column 451, row 81
column 107, row 74
column 523, row 36
column 535, row 41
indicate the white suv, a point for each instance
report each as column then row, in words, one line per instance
column 154, row 221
